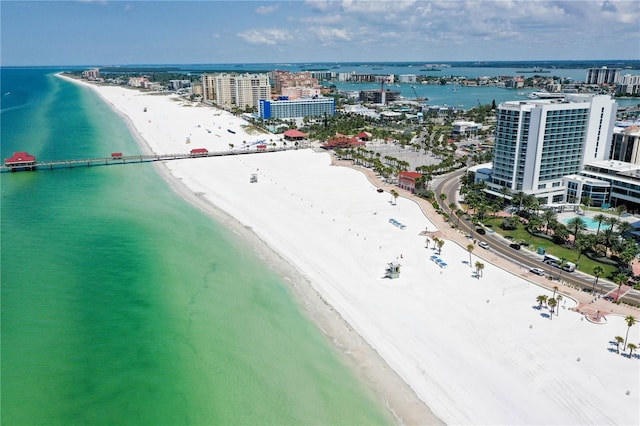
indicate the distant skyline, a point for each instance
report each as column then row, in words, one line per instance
column 97, row 32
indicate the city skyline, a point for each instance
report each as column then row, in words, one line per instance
column 88, row 32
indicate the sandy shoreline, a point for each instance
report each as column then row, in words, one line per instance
column 473, row 349
column 391, row 391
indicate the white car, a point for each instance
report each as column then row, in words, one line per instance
column 483, row 245
column 537, row 271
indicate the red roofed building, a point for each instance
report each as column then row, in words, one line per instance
column 365, row 136
column 294, row 135
column 342, row 142
column 407, row 180
column 21, row 159
column 196, row 152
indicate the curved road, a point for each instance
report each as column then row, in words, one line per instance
column 449, row 186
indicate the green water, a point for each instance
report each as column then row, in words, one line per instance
column 123, row 304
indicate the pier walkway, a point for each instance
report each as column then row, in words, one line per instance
column 131, row 159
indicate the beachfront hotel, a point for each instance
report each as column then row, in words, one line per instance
column 540, row 142
column 240, row 90
column 294, row 108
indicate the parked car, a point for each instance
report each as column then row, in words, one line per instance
column 537, row 271
column 483, row 245
column 515, row 246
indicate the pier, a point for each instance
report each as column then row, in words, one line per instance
column 22, row 161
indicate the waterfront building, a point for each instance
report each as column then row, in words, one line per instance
column 622, row 180
column 625, row 144
column 92, row 74
column 407, row 78
column 408, row 180
column 462, row 128
column 379, row 96
column 294, row 108
column 602, row 75
column 239, row 90
column 539, row 142
column 629, row 84
column 287, row 79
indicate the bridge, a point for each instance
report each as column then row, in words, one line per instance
column 22, row 161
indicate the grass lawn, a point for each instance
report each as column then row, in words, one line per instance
column 586, row 265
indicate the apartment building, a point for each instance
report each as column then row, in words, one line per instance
column 603, row 75
column 239, row 90
column 538, row 143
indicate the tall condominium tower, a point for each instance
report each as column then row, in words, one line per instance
column 236, row 90
column 538, row 142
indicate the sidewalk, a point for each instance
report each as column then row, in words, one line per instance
column 587, row 304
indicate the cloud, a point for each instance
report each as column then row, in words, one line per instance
column 329, row 36
column 267, row 36
column 267, row 10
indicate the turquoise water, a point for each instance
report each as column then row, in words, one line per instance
column 591, row 224
column 122, row 304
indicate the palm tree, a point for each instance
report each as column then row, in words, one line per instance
column 558, row 299
column 621, row 209
column 620, row 279
column 479, row 268
column 395, row 196
column 632, row 347
column 630, row 320
column 619, row 339
column 576, row 224
column 470, row 248
column 587, row 201
column 552, row 304
column 541, row 299
column 597, row 272
column 440, row 244
column 548, row 216
column 555, row 288
column 599, row 218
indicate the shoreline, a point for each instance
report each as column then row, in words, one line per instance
column 394, row 394
column 442, row 332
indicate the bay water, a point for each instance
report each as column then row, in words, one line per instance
column 123, row 304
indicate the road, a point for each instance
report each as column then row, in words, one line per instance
column 449, row 186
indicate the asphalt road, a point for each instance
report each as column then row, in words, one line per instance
column 523, row 258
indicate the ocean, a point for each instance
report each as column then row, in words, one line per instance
column 124, row 304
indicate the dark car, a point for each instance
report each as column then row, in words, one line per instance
column 515, row 246
column 481, row 231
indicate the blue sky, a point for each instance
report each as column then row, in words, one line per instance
column 88, row 32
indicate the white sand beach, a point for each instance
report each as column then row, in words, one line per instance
column 475, row 350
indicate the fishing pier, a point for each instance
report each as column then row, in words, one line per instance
column 23, row 161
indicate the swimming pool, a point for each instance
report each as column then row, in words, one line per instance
column 592, row 225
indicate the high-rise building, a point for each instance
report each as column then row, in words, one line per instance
column 538, row 142
column 292, row 108
column 626, row 144
column 602, row 75
column 245, row 90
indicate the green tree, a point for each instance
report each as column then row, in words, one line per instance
column 597, row 272
column 440, row 244
column 395, row 196
column 470, row 248
column 630, row 320
column 479, row 269
column 558, row 299
column 632, row 347
column 599, row 218
column 576, row 224
column 552, row 303
column 618, row 339
column 541, row 299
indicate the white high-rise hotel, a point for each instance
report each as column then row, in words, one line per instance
column 539, row 142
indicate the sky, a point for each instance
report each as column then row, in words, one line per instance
column 105, row 32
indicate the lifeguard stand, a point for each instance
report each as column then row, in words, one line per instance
column 393, row 270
